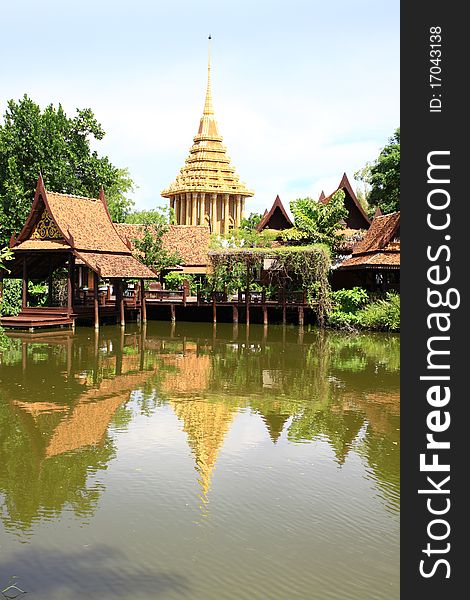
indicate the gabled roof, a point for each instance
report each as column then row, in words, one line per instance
column 357, row 217
column 190, row 241
column 81, row 225
column 380, row 247
column 276, row 218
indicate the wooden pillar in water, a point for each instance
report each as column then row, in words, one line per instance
column 173, row 313
column 265, row 315
column 95, row 300
column 235, row 315
column 214, row 310
column 301, row 316
column 143, row 304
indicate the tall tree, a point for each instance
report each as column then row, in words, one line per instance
column 315, row 222
column 47, row 141
column 383, row 175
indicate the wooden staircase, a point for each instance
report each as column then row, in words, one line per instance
column 41, row 317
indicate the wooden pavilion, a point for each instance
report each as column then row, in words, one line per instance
column 375, row 260
column 72, row 239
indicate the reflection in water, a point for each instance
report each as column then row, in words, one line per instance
column 66, row 398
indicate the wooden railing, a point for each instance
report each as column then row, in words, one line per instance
column 167, row 295
column 282, row 298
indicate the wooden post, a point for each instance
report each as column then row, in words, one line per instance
column 173, row 313
column 265, row 315
column 69, row 285
column 235, row 315
column 214, row 309
column 24, row 295
column 49, row 283
column 301, row 316
column 143, row 303
column 248, row 313
column 284, row 321
column 95, row 300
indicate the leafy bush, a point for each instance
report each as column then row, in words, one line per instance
column 11, row 302
column 352, row 310
column 174, row 281
column 383, row 315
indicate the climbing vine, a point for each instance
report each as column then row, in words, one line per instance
column 303, row 268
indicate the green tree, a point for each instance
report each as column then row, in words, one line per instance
column 150, row 250
column 315, row 222
column 251, row 221
column 48, row 141
column 157, row 216
column 383, row 176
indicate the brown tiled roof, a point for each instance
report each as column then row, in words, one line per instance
column 268, row 216
column 379, row 234
column 379, row 248
column 190, row 241
column 86, row 227
column 373, row 260
column 43, row 245
column 116, row 265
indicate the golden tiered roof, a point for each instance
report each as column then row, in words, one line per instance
column 207, row 168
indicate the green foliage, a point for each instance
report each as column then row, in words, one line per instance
column 352, row 310
column 47, row 141
column 5, row 255
column 309, row 265
column 249, row 223
column 157, row 216
column 383, row 315
column 174, row 281
column 11, row 299
column 150, row 250
column 37, row 294
column 383, row 175
column 315, row 222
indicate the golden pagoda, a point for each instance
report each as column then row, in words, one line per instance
column 207, row 190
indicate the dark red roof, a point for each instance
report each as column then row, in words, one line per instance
column 276, row 218
column 357, row 217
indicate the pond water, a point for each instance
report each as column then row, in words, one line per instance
column 188, row 461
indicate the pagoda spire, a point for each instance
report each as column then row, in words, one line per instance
column 208, row 107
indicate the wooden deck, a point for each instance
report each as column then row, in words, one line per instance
column 33, row 318
column 60, row 317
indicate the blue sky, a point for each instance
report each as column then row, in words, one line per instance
column 303, row 90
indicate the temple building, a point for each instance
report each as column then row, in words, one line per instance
column 207, row 190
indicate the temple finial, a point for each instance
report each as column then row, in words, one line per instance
column 208, row 108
